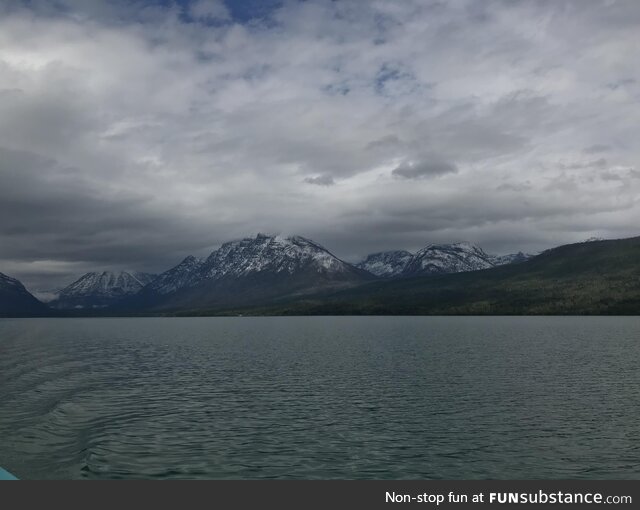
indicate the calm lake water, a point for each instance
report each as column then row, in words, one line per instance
column 345, row 397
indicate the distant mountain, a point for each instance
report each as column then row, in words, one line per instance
column 578, row 279
column 250, row 270
column 386, row 264
column 16, row 301
column 511, row 258
column 435, row 259
column 294, row 275
column 184, row 274
column 275, row 255
column 448, row 258
column 100, row 289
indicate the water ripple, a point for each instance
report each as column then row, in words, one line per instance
column 320, row 398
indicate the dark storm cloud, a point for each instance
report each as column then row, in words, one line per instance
column 135, row 133
column 50, row 213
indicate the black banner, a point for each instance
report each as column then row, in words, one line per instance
column 322, row 494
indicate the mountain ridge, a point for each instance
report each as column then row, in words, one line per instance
column 435, row 259
column 594, row 278
column 294, row 275
column 17, row 301
column 248, row 270
column 100, row 289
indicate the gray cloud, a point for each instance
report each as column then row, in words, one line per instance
column 623, row 82
column 135, row 133
column 423, row 169
column 321, row 180
column 209, row 10
column 622, row 175
column 593, row 163
column 596, row 148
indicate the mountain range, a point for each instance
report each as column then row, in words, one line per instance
column 435, row 259
column 274, row 274
column 246, row 272
column 588, row 278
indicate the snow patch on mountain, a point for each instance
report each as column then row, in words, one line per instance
column 448, row 258
column 252, row 256
column 100, row 289
column 511, row 258
column 270, row 253
column 386, row 264
column 143, row 278
column 104, row 284
column 184, row 274
column 436, row 259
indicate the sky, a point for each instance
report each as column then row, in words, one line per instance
column 134, row 133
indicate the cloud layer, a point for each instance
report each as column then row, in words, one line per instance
column 135, row 133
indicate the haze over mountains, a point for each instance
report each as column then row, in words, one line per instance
column 274, row 271
column 16, row 301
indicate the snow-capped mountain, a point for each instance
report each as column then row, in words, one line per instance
column 249, row 270
column 436, row 259
column 16, row 301
column 263, row 270
column 184, row 274
column 273, row 254
column 100, row 289
column 448, row 258
column 386, row 264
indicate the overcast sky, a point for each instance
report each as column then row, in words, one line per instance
column 135, row 133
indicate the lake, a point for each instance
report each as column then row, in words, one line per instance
column 321, row 397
